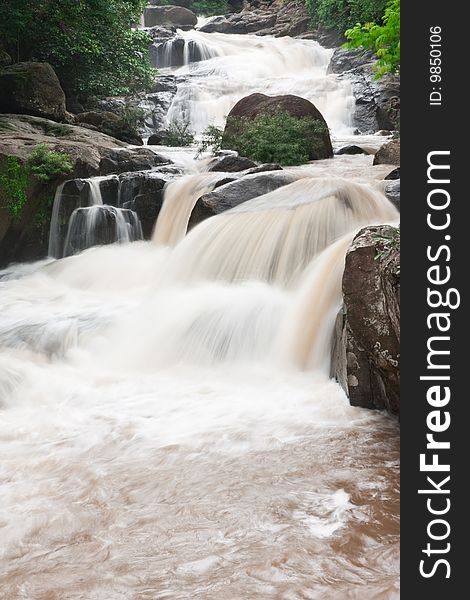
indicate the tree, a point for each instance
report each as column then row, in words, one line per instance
column 90, row 43
column 383, row 39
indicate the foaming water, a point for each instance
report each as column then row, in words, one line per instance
column 237, row 66
column 158, row 435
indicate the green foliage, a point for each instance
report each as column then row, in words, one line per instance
column 383, row 39
column 209, row 8
column 211, row 140
column 57, row 130
column 43, row 164
column 132, row 116
column 13, row 184
column 178, row 133
column 89, row 43
column 279, row 138
column 46, row 164
column 343, row 14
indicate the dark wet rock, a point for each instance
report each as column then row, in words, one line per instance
column 239, row 191
column 255, row 104
column 388, row 154
column 351, row 149
column 395, row 174
column 377, row 100
column 243, row 22
column 130, row 159
column 264, row 168
column 32, row 88
column 147, row 208
column 392, row 191
column 232, row 163
column 366, row 355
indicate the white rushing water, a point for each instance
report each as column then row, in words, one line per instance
column 245, row 64
column 168, row 427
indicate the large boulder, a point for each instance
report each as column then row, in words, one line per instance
column 176, row 16
column 236, row 192
column 242, row 23
column 256, row 104
column 388, row 154
column 366, row 356
column 377, row 100
column 231, row 163
column 32, row 88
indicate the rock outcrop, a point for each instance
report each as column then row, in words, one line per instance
column 32, row 88
column 366, row 356
column 176, row 16
column 256, row 104
column 377, row 100
column 111, row 124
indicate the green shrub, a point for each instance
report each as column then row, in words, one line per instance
column 279, row 138
column 13, row 184
column 178, row 133
column 343, row 14
column 132, row 116
column 43, row 164
column 46, row 164
column 383, row 39
column 211, row 140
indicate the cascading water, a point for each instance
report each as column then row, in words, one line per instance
column 168, row 426
column 237, row 66
column 80, row 220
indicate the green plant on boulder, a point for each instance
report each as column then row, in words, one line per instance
column 42, row 164
column 47, row 165
column 209, row 8
column 387, row 244
column 275, row 138
column 178, row 133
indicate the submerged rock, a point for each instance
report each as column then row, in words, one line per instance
column 366, row 355
column 236, row 192
column 32, row 88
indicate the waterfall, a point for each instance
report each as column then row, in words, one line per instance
column 80, row 219
column 234, row 66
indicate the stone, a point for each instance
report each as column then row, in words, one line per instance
column 176, row 16
column 366, row 354
column 351, row 149
column 111, row 124
column 395, row 174
column 392, row 191
column 236, row 192
column 388, row 154
column 256, row 104
column 32, row 88
column 231, row 163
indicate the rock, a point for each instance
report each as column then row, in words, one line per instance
column 32, row 88
column 184, row 3
column 244, row 22
column 366, row 356
column 5, row 59
column 264, row 168
column 231, row 164
column 176, row 16
column 156, row 139
column 388, row 154
column 159, row 100
column 111, row 124
column 328, row 38
column 392, row 191
column 232, row 194
column 147, row 208
column 377, row 100
column 351, row 149
column 395, row 174
column 128, row 160
column 256, row 104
